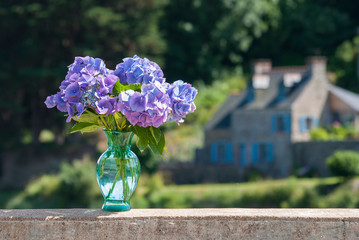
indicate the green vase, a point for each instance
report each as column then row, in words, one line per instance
column 118, row 171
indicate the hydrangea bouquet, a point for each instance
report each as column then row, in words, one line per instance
column 134, row 97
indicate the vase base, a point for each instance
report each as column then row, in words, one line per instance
column 116, row 206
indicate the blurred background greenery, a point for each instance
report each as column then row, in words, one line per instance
column 207, row 43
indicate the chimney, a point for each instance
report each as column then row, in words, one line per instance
column 261, row 66
column 317, row 65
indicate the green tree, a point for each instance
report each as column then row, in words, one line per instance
column 305, row 28
column 39, row 39
column 205, row 37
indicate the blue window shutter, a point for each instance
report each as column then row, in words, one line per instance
column 287, row 122
column 228, row 153
column 270, row 152
column 302, row 127
column 274, row 123
column 242, row 154
column 214, row 152
column 315, row 122
column 255, row 153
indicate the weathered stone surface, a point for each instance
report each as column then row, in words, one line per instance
column 180, row 224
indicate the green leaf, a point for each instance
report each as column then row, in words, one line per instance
column 152, row 137
column 84, row 127
column 161, row 145
column 143, row 140
column 87, row 117
column 156, row 133
column 142, row 143
column 158, row 145
column 118, row 87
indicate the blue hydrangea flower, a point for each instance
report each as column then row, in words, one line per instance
column 89, row 96
column 88, row 65
column 73, row 93
column 148, row 108
column 58, row 100
column 106, row 84
column 87, row 80
column 89, row 84
column 138, row 70
column 107, row 105
column 182, row 96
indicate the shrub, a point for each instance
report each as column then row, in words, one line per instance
column 336, row 133
column 74, row 186
column 319, row 134
column 344, row 163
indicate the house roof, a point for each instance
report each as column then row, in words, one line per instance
column 264, row 98
column 232, row 102
column 268, row 98
column 350, row 98
column 293, row 93
column 274, row 94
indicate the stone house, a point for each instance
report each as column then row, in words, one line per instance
column 257, row 129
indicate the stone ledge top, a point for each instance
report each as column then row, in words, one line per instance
column 198, row 213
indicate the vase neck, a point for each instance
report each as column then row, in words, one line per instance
column 119, row 139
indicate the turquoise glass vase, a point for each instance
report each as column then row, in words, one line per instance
column 118, row 171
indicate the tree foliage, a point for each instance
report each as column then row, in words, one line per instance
column 192, row 40
column 205, row 36
column 39, row 39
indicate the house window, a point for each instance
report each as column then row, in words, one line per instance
column 291, row 78
column 240, row 153
column 349, row 119
column 221, row 157
column 344, row 119
column 281, row 123
column 262, row 153
column 307, row 123
column 261, row 81
column 221, row 152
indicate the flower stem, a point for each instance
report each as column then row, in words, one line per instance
column 124, row 184
column 118, row 174
column 118, row 127
column 104, row 123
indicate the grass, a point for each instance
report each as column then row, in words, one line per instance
column 152, row 193
column 291, row 192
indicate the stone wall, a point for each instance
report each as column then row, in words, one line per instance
column 91, row 224
column 191, row 173
column 314, row 153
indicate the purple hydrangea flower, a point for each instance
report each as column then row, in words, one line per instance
column 182, row 96
column 73, row 93
column 106, row 84
column 58, row 101
column 93, row 66
column 90, row 96
column 138, row 70
column 89, row 84
column 107, row 105
column 87, row 81
column 148, row 108
column 50, row 101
